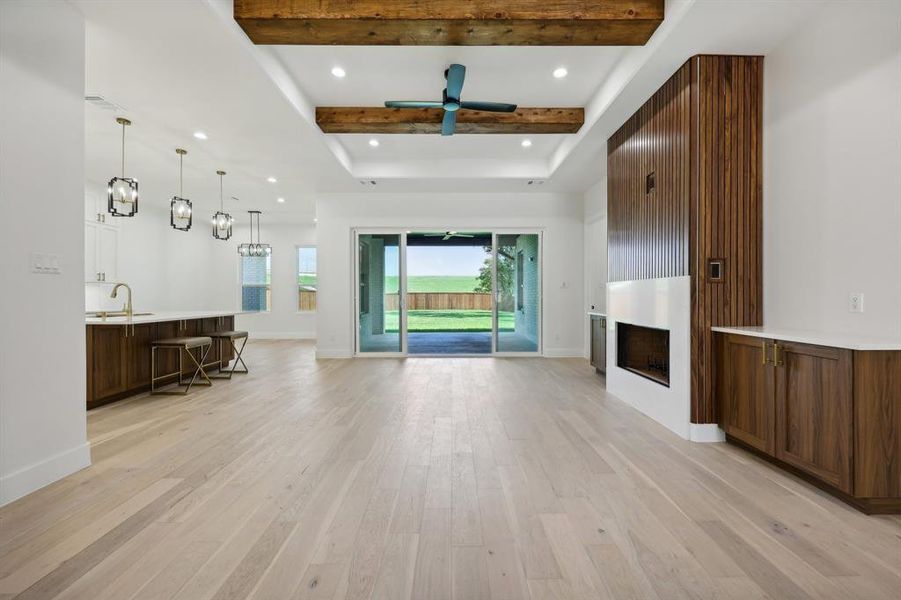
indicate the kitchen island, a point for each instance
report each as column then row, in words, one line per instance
column 118, row 349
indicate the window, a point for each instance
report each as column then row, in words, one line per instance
column 306, row 279
column 256, row 277
column 520, row 284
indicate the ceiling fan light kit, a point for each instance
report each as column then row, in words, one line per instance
column 122, row 192
column 451, row 101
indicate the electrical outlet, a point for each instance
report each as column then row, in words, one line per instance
column 855, row 302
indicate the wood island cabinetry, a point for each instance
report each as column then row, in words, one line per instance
column 118, row 355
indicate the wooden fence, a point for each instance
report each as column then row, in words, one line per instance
column 441, row 301
column 306, row 300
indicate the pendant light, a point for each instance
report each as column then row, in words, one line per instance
column 222, row 221
column 256, row 249
column 180, row 214
column 122, row 192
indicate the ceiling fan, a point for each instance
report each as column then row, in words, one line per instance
column 450, row 100
column 448, row 235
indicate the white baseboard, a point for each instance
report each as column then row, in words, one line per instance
column 564, row 353
column 282, row 335
column 706, row 432
column 34, row 477
column 333, row 353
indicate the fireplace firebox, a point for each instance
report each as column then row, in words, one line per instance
column 643, row 351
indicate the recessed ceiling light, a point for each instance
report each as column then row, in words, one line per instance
column 560, row 72
column 338, row 72
column 200, row 135
column 281, row 200
column 315, row 220
column 271, row 179
column 526, row 143
column 374, row 143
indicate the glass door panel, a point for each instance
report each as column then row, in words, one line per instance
column 380, row 303
column 517, row 292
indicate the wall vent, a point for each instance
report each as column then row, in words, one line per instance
column 104, row 104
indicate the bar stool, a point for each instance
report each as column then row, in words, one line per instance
column 184, row 345
column 231, row 336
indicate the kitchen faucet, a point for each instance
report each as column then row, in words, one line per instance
column 129, row 312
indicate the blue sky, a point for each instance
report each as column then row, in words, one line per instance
column 431, row 260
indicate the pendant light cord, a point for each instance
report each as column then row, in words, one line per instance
column 123, row 150
column 181, row 175
column 220, row 195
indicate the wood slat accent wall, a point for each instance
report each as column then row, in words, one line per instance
column 647, row 233
column 726, row 209
column 699, row 135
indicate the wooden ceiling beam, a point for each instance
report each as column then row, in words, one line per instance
column 377, row 119
column 450, row 22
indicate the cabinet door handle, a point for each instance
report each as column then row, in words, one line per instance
column 776, row 361
column 763, row 359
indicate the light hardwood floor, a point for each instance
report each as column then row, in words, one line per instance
column 426, row 478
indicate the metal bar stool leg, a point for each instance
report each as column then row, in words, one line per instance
column 199, row 369
column 238, row 358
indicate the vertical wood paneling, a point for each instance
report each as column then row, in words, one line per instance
column 648, row 233
column 728, row 201
column 700, row 135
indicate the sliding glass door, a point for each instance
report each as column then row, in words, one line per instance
column 468, row 293
column 517, row 308
column 380, row 293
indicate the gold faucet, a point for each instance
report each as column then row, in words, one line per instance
column 129, row 312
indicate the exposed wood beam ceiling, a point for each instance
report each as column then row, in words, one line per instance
column 377, row 119
column 450, row 22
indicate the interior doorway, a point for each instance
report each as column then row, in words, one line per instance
column 428, row 292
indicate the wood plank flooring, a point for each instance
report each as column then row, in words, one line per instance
column 428, row 478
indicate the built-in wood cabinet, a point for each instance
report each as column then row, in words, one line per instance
column 118, row 356
column 831, row 414
column 598, row 343
column 746, row 392
column 814, row 424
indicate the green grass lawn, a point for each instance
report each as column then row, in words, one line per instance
column 306, row 280
column 449, row 320
column 433, row 283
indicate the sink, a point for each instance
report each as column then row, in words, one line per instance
column 116, row 313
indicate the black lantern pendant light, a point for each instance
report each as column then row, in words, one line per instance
column 255, row 249
column 222, row 221
column 122, row 192
column 180, row 213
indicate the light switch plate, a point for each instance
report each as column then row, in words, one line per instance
column 855, row 302
column 45, row 264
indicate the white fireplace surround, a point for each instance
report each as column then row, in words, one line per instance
column 665, row 304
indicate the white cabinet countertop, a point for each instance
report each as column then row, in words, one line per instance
column 160, row 316
column 851, row 341
column 595, row 313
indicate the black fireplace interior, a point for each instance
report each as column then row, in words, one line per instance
column 643, row 351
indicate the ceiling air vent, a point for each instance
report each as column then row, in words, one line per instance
column 103, row 103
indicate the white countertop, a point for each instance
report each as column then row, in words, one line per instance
column 851, row 341
column 159, row 316
column 596, row 313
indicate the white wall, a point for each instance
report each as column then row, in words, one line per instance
column 42, row 371
column 832, row 171
column 166, row 269
column 283, row 321
column 595, row 217
column 559, row 214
